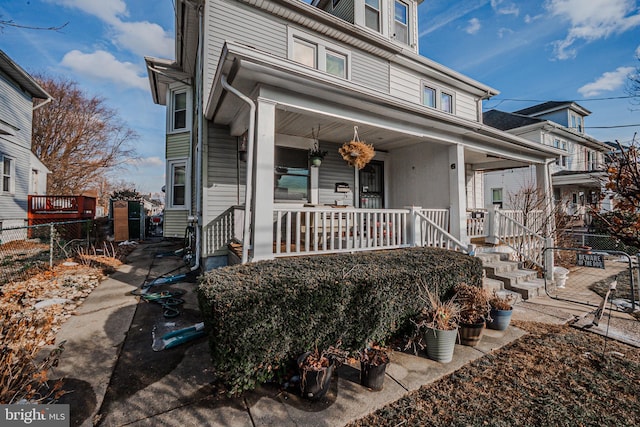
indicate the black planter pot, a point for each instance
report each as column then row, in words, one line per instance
column 314, row 383
column 470, row 333
column 372, row 376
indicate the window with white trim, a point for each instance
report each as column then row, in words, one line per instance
column 401, row 22
column 178, row 119
column 372, row 15
column 316, row 53
column 178, row 184
column 8, row 174
column 434, row 97
column 592, row 160
column 496, row 197
column 576, row 122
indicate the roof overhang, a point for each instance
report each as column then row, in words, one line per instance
column 563, row 132
column 585, row 179
column 344, row 103
column 162, row 73
column 21, row 77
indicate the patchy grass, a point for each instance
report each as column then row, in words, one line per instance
column 554, row 375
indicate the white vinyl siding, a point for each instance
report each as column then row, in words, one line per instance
column 178, row 145
column 466, row 106
column 369, row 71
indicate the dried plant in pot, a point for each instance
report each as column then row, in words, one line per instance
column 501, row 310
column 439, row 323
column 373, row 364
column 355, row 152
column 316, row 368
column 474, row 311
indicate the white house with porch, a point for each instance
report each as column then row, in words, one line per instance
column 254, row 79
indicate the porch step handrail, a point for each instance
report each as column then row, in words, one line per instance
column 526, row 242
column 431, row 234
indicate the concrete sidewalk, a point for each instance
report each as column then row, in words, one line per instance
column 117, row 379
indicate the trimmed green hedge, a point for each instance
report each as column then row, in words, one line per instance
column 262, row 315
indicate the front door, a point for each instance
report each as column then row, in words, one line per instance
column 372, row 185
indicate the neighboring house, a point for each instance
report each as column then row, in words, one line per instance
column 577, row 174
column 250, row 82
column 22, row 172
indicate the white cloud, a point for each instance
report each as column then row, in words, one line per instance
column 592, row 20
column 474, row 26
column 103, row 65
column 501, row 8
column 107, row 10
column 142, row 38
column 609, row 81
column 450, row 14
column 504, row 32
column 638, row 52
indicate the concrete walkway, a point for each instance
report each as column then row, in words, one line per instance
column 117, row 379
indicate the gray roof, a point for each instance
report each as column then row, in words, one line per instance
column 551, row 106
column 21, row 77
column 506, row 121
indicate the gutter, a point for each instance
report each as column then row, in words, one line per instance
column 249, row 185
column 45, row 102
column 199, row 145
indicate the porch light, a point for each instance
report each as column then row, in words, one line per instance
column 242, row 147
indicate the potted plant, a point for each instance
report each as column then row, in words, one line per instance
column 316, row 368
column 501, row 310
column 355, row 152
column 373, row 364
column 439, row 323
column 474, row 311
column 316, row 155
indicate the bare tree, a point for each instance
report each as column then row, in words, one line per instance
column 623, row 180
column 78, row 137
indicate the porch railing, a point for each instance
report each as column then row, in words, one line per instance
column 432, row 234
column 329, row 230
column 522, row 239
column 439, row 216
column 476, row 224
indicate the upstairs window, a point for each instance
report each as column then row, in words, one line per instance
column 401, row 22
column 8, row 174
column 429, row 96
column 592, row 160
column 434, row 97
column 496, row 197
column 446, row 102
column 576, row 122
column 336, row 64
column 178, row 120
column 315, row 53
column 305, row 52
column 372, row 14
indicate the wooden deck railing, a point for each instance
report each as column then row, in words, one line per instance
column 67, row 207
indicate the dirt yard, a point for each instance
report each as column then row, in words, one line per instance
column 553, row 376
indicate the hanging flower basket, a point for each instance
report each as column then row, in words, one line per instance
column 355, row 152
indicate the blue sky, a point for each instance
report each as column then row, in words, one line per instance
column 532, row 51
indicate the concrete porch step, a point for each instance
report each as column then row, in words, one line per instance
column 529, row 289
column 491, row 285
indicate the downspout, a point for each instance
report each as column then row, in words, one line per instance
column 246, row 237
column 199, row 145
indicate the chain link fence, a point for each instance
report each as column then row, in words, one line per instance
column 598, row 242
column 584, row 274
column 25, row 251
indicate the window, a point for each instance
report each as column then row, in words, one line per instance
column 291, row 172
column 336, row 64
column 561, row 161
column 372, row 14
column 178, row 184
column 319, row 54
column 434, row 97
column 8, row 174
column 496, row 197
column 592, row 162
column 446, row 102
column 429, row 96
column 179, row 105
column 401, row 22
column 304, row 53
column 576, row 122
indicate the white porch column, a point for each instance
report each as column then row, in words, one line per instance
column 543, row 180
column 457, row 187
column 262, row 212
column 414, row 237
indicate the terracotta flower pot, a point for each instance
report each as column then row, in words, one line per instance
column 471, row 333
